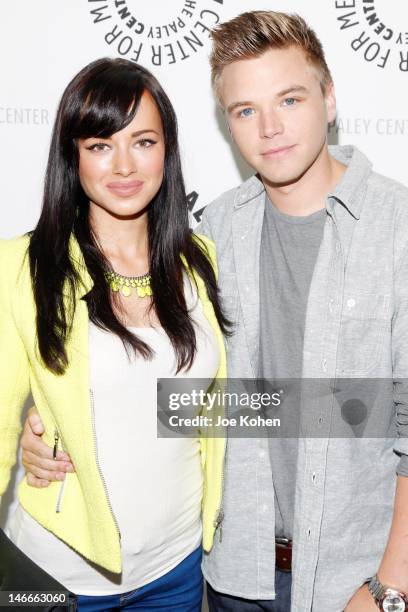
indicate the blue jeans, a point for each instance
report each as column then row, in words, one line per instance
column 180, row 590
column 218, row 602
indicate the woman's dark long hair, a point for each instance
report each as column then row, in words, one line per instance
column 101, row 100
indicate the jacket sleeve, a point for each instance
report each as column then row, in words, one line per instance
column 14, row 365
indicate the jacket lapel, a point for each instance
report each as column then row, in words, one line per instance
column 247, row 220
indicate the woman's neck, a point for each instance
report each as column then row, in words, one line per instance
column 123, row 241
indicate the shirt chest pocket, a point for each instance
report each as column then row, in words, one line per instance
column 364, row 323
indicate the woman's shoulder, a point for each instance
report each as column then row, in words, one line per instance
column 14, row 246
column 13, row 252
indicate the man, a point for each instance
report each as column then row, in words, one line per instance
column 313, row 272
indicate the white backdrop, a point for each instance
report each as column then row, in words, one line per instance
column 43, row 44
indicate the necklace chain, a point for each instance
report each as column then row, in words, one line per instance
column 125, row 284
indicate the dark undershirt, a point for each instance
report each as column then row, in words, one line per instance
column 289, row 249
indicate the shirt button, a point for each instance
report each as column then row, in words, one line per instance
column 351, row 303
column 264, row 508
column 337, row 247
column 331, row 305
column 324, row 365
column 314, row 479
column 262, row 454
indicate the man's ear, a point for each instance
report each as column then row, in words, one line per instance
column 330, row 101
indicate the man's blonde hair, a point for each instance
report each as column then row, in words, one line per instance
column 250, row 34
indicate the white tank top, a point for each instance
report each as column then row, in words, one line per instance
column 154, row 485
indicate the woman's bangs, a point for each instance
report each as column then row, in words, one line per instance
column 108, row 108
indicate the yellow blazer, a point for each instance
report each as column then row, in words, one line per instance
column 76, row 511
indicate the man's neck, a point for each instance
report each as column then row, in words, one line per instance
column 307, row 194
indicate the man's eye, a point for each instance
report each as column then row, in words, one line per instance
column 289, row 101
column 246, row 112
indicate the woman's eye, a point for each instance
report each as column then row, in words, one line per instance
column 145, row 143
column 99, row 146
column 246, row 112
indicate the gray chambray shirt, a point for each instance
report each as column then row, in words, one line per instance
column 356, row 326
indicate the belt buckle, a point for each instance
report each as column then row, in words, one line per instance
column 283, row 541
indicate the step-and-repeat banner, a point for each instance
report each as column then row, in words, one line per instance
column 44, row 43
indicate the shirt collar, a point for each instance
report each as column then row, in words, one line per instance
column 251, row 189
column 349, row 192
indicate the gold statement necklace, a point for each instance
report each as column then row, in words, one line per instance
column 125, row 284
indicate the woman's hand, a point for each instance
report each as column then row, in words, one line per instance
column 37, row 457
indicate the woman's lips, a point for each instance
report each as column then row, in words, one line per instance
column 125, row 188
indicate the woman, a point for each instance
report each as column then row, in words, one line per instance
column 107, row 294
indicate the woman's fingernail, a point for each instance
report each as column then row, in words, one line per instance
column 60, row 476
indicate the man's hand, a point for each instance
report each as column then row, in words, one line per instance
column 37, row 458
column 362, row 601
